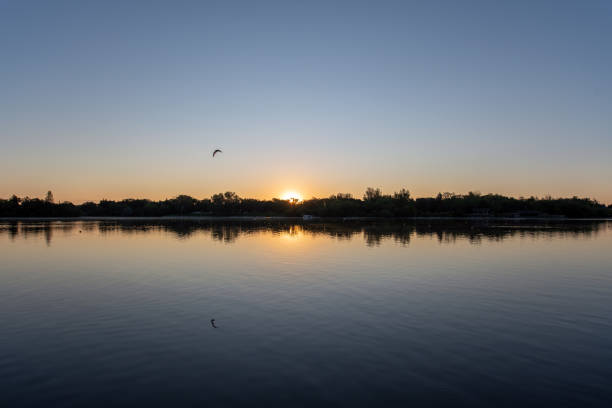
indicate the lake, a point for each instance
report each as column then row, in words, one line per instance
column 423, row 313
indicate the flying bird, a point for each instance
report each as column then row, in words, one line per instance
column 217, row 151
column 212, row 321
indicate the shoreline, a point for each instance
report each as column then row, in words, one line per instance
column 293, row 219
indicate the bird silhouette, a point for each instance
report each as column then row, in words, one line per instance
column 217, row 151
column 212, row 321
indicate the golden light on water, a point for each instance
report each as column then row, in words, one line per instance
column 293, row 196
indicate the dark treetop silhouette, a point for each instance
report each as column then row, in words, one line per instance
column 373, row 204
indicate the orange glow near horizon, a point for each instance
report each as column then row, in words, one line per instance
column 78, row 194
column 291, row 196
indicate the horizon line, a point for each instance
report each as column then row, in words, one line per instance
column 444, row 195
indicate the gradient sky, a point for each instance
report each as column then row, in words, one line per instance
column 115, row 99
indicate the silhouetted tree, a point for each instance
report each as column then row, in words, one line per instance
column 372, row 194
column 403, row 195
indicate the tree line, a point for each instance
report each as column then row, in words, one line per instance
column 373, row 204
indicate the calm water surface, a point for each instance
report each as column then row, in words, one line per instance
column 113, row 313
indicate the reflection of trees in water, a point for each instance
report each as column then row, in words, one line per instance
column 35, row 230
column 13, row 230
column 373, row 232
column 109, row 227
column 401, row 233
column 48, row 235
column 88, row 226
column 225, row 233
column 476, row 233
column 338, row 231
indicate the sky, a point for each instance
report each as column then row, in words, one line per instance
column 117, row 99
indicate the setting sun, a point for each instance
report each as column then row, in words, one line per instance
column 291, row 196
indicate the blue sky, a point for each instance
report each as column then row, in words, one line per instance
column 128, row 99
